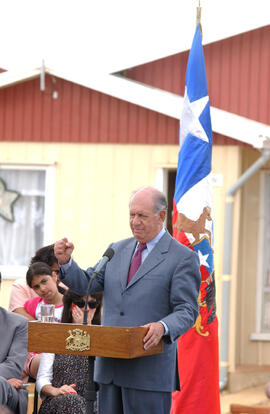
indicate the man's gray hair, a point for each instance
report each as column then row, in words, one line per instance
column 159, row 199
column 160, row 202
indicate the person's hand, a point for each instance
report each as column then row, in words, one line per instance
column 65, row 389
column 77, row 314
column 155, row 333
column 63, row 250
column 16, row 383
column 90, row 315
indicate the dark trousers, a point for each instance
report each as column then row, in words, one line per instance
column 120, row 400
column 16, row 400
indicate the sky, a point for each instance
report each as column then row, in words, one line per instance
column 105, row 36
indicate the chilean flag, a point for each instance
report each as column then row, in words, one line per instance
column 198, row 354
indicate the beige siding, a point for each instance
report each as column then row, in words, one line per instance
column 94, row 182
column 92, row 189
column 5, row 293
column 93, row 186
column 226, row 161
column 249, row 352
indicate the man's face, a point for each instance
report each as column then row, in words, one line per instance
column 144, row 223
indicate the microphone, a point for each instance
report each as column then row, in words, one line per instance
column 103, row 261
column 101, row 264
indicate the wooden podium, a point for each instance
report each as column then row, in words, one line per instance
column 88, row 340
column 91, row 341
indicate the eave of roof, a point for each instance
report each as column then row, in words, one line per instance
column 9, row 78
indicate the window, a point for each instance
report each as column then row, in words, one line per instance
column 265, row 254
column 33, row 217
column 263, row 273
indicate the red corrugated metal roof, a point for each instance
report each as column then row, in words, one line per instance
column 238, row 80
column 238, row 74
column 80, row 115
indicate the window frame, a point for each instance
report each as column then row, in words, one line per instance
column 259, row 335
column 14, row 272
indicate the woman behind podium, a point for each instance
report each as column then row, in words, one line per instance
column 62, row 379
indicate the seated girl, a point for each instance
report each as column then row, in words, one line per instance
column 62, row 379
column 44, row 283
column 21, row 292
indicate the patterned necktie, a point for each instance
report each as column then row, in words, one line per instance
column 136, row 261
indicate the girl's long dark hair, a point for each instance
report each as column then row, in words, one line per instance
column 69, row 297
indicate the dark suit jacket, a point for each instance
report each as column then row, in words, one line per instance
column 165, row 287
column 13, row 350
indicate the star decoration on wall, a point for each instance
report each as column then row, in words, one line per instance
column 7, row 199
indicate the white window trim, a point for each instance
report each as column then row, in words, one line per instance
column 14, row 272
column 258, row 335
column 49, row 209
column 161, row 179
column 162, row 182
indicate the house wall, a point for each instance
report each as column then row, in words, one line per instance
column 249, row 360
column 249, row 352
column 93, row 183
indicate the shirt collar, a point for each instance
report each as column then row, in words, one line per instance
column 155, row 240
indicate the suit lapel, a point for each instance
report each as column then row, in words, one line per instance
column 154, row 258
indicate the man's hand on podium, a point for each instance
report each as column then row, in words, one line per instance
column 155, row 333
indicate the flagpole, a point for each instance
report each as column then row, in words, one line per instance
column 198, row 16
column 192, row 202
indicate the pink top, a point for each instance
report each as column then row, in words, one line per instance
column 32, row 306
column 19, row 294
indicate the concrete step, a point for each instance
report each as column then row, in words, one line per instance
column 249, row 396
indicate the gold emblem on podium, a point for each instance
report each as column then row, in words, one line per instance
column 78, row 340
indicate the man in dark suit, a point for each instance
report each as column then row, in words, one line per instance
column 161, row 295
column 13, row 352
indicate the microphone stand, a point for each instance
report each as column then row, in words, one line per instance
column 91, row 390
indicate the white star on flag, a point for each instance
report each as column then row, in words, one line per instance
column 203, row 259
column 190, row 123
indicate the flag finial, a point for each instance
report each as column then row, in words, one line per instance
column 198, row 17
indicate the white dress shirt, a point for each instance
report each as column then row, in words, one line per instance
column 45, row 371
